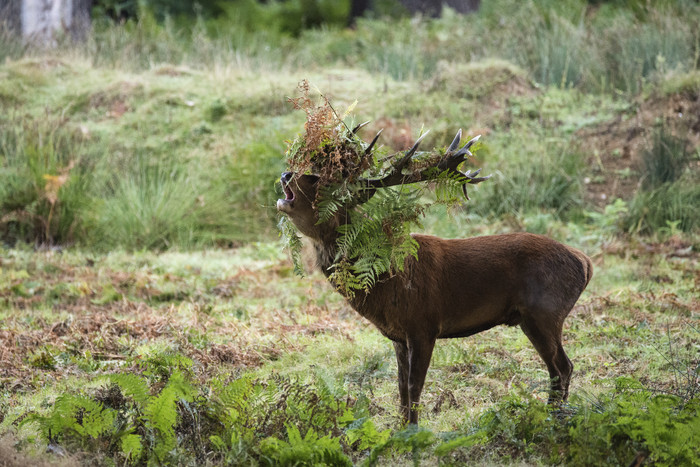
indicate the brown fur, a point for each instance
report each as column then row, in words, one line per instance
column 461, row 287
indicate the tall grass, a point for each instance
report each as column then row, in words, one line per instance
column 156, row 206
column 666, row 160
column 58, row 188
column 670, row 204
column 10, row 46
column 670, row 192
column 638, row 52
column 44, row 180
column 555, row 45
column 532, row 178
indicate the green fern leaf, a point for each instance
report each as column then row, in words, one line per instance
column 132, row 386
column 131, row 447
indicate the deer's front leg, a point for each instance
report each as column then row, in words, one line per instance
column 402, row 360
column 419, row 352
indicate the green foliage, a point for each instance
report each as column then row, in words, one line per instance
column 642, row 48
column 309, row 450
column 413, row 439
column 670, row 191
column 461, row 442
column 141, row 422
column 377, row 240
column 137, row 424
column 610, row 221
column 202, row 188
column 155, row 206
column 57, row 186
column 397, row 49
column 609, row 430
column 666, row 160
column 44, row 180
column 131, row 386
column 616, row 428
column 364, row 434
column 285, row 17
column 292, row 241
column 653, row 210
column 339, row 383
column 535, row 179
column 78, row 417
column 160, row 413
column 11, row 47
column 523, row 423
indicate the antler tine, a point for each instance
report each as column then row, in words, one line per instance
column 472, row 180
column 415, row 145
column 404, row 160
column 455, row 142
column 465, row 149
column 452, row 159
column 371, row 145
column 359, row 127
column 413, row 150
column 464, row 190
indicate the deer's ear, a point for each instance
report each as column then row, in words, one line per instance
column 312, row 179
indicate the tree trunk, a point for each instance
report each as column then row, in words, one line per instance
column 43, row 22
column 11, row 15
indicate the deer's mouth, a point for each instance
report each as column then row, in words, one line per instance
column 288, row 193
column 286, row 204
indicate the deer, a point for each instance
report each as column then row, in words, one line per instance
column 455, row 287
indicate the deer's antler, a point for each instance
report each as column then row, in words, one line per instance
column 449, row 162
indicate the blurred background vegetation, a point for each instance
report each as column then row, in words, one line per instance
column 166, row 126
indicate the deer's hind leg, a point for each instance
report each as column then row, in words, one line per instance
column 545, row 335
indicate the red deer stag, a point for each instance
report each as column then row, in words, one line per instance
column 455, row 288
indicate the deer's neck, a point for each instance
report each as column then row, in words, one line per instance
column 326, row 250
column 325, row 254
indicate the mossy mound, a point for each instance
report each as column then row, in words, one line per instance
column 490, row 79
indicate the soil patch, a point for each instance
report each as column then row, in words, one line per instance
column 616, row 159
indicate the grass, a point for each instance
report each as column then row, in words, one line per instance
column 222, row 316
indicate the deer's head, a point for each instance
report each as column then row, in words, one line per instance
column 300, row 196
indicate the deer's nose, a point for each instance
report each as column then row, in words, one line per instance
column 287, row 176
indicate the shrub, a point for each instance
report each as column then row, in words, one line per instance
column 677, row 203
column 532, row 178
column 666, row 160
column 616, row 430
column 44, row 181
column 159, row 204
column 670, row 190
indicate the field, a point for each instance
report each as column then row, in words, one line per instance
column 150, row 315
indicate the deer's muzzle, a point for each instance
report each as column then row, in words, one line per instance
column 287, row 203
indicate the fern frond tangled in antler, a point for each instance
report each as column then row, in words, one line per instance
column 378, row 194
